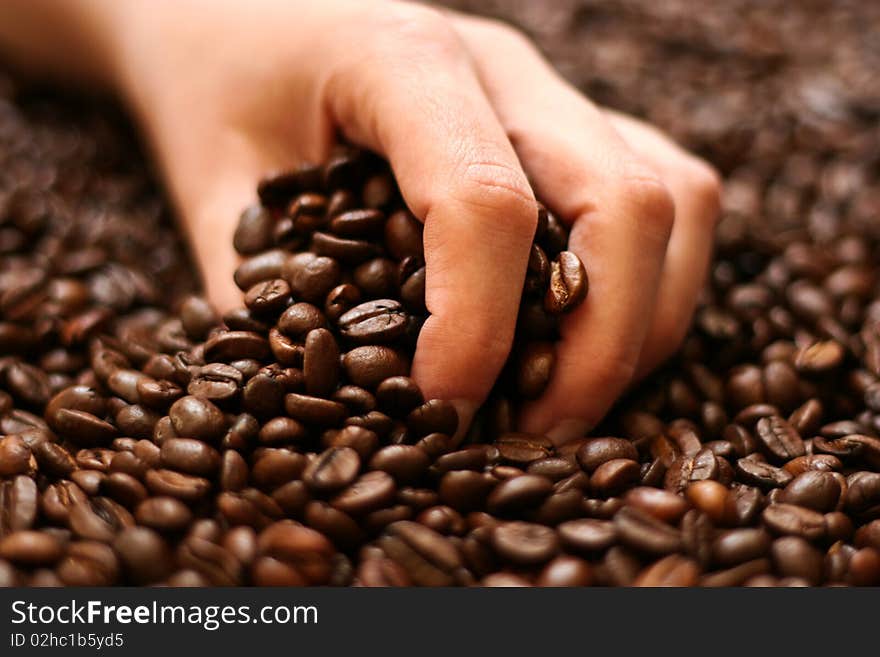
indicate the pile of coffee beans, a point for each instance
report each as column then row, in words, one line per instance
column 146, row 440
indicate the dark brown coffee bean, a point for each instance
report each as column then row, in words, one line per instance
column 310, row 276
column 164, row 514
column 597, row 451
column 688, row 469
column 761, row 474
column 794, row 520
column 465, row 490
column 18, row 504
column 268, row 298
column 434, row 416
column 227, row 346
column 320, row 362
column 517, row 493
column 314, row 410
column 274, row 467
column 260, row 267
column 99, row 519
column 190, row 456
column 374, row 322
column 816, row 490
column 368, row 366
column 197, row 418
column 54, row 460
column 406, row 463
column 524, row 543
column 124, row 488
column 614, row 476
column 656, row 502
column 779, row 439
column 15, row 457
column 369, row 492
column 398, row 395
column 568, row 283
column 674, row 570
column 30, row 548
column 534, row 368
column 795, row 557
column 187, row 488
column 89, row 563
column 403, row 235
column 739, row 545
column 341, row 299
column 335, row 468
column 644, row 533
column 144, row 555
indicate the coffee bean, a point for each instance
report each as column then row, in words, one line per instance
column 99, row 519
column 739, row 545
column 197, row 418
column 794, row 520
column 144, row 555
column 190, row 456
column 674, row 570
column 645, row 533
column 334, row 469
column 18, row 504
column 320, row 362
column 517, row 493
column 779, row 439
column 568, row 283
column 524, row 543
column 30, row 548
column 597, row 451
column 813, row 489
column 658, row 503
column 795, row 557
column 369, row 492
column 164, row 514
column 368, row 366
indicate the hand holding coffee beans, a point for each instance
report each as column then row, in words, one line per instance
column 148, row 440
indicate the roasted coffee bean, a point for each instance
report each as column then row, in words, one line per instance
column 434, row 416
column 190, row 456
column 320, row 362
column 334, row 469
column 368, row 366
column 18, row 504
column 779, row 439
column 216, row 382
column 568, row 283
column 794, row 520
column 761, row 474
column 369, row 492
column 165, row 514
column 30, row 548
column 739, row 545
column 517, row 493
column 795, row 557
column 816, row 490
column 688, row 469
column 99, row 519
column 524, row 543
column 227, row 346
column 597, row 451
column 645, row 533
column 656, row 502
column 310, row 276
column 314, row 410
column 185, row 487
column 89, row 563
column 197, row 418
column 268, row 298
column 674, row 570
column 144, row 554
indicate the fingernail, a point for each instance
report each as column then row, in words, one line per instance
column 568, row 430
column 466, row 410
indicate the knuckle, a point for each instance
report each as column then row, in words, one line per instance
column 706, row 184
column 414, row 28
column 490, row 183
column 649, row 199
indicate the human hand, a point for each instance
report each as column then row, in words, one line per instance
column 469, row 115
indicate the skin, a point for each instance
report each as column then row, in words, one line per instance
column 467, row 112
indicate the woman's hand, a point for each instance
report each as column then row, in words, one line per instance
column 469, row 114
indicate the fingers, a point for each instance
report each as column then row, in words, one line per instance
column 696, row 188
column 414, row 96
column 621, row 217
